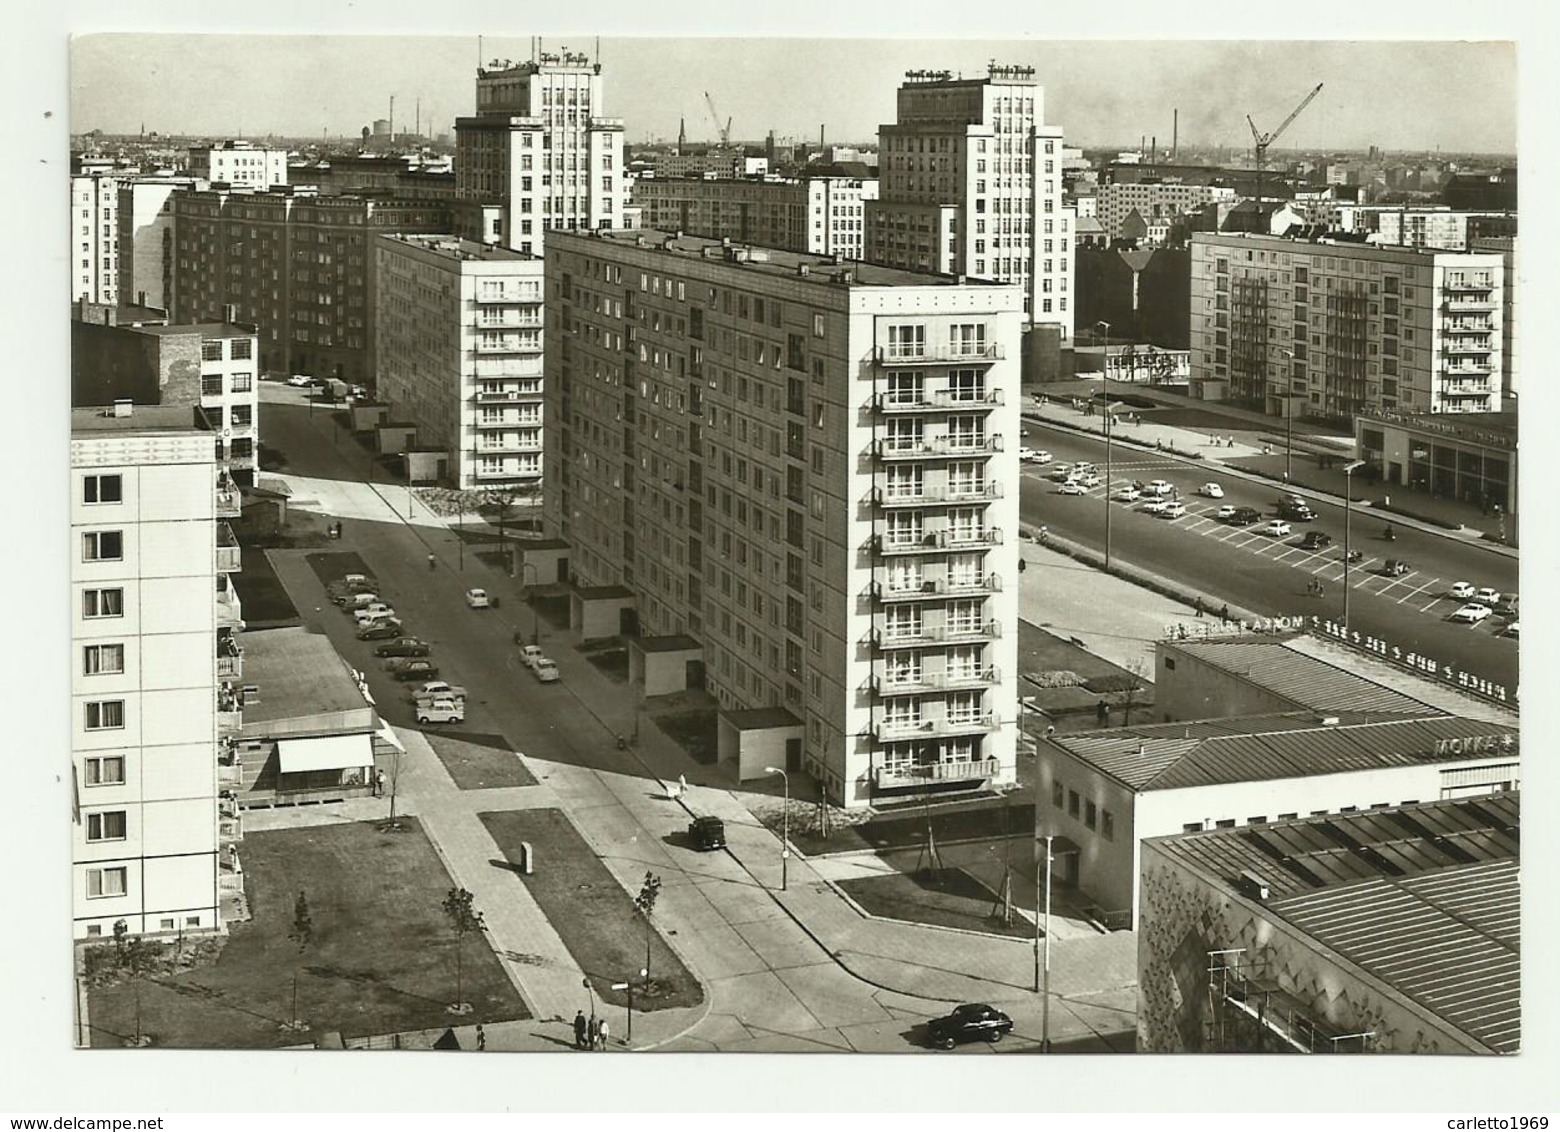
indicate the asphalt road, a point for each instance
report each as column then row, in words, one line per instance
column 1271, row 575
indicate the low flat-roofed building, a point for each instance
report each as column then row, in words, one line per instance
column 1388, row 931
column 309, row 731
column 1471, row 457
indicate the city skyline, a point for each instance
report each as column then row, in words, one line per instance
column 1420, row 89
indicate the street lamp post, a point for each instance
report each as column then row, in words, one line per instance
column 1348, row 490
column 1289, row 418
column 530, row 599
column 1043, row 930
column 1110, row 431
column 785, row 823
column 1105, row 361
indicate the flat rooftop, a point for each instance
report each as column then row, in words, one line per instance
column 677, row 642
column 759, row 719
column 1424, row 898
column 141, row 418
column 299, row 674
column 774, row 261
column 204, row 329
column 453, row 247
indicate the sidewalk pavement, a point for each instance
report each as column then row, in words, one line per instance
column 1252, row 434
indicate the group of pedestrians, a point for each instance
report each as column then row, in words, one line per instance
column 589, row 1033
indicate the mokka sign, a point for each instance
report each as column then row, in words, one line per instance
column 1477, row 745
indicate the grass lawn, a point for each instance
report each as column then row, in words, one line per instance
column 479, row 762
column 592, row 914
column 382, row 958
column 612, row 663
column 981, row 819
column 950, row 899
column 694, row 731
column 330, row 565
column 266, row 604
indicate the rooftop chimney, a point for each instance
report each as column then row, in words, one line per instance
column 123, row 408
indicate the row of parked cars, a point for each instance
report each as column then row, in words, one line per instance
column 407, row 659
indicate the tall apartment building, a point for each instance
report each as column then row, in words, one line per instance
column 1506, row 248
column 209, row 366
column 94, row 235
column 540, row 148
column 459, row 351
column 1329, row 329
column 145, row 239
column 970, row 183
column 151, row 624
column 296, row 265
column 807, row 472
column 1157, row 202
column 239, row 164
column 822, row 215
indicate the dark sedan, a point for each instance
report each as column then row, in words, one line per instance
column 404, row 646
column 1315, row 540
column 379, row 631
column 972, row 1022
column 411, row 668
column 1244, row 516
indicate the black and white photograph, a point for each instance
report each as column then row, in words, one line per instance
column 949, row 546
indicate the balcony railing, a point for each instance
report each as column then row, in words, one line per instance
column 230, row 667
column 892, row 449
column 509, row 346
column 490, row 448
column 1480, row 390
column 1457, row 349
column 229, row 504
column 911, row 774
column 952, row 538
column 508, row 296
column 936, row 588
column 951, row 493
column 937, row 400
column 1480, row 327
column 228, row 555
column 941, row 355
column 932, row 635
column 509, row 395
column 230, row 610
column 936, row 681
column 1467, row 303
column 886, row 730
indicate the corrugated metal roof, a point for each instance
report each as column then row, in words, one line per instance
column 1306, row 681
column 1177, row 756
column 1424, row 898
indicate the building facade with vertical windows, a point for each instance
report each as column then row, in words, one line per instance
column 540, row 148
column 152, row 620
column 1330, row 329
column 460, row 353
column 239, row 164
column 94, row 235
column 824, row 215
column 970, row 183
column 809, row 472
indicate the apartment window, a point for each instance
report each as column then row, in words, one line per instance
column 1192, row 827
column 102, row 489
column 1090, row 815
column 211, row 385
column 907, row 341
column 1224, row 823
column 103, row 603
column 102, row 546
column 242, row 348
column 103, row 660
column 211, row 351
column 1107, row 825
column 817, row 325
column 103, row 770
column 1072, row 803
column 243, row 382
column 105, row 715
column 108, row 825
column 106, row 882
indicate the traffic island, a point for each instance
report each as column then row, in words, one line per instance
column 594, row 916
column 380, row 957
column 943, row 897
column 479, row 762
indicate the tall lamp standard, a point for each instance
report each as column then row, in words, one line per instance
column 531, row 598
column 1348, row 491
column 1110, row 431
column 1043, row 929
column 1105, row 361
column 785, row 823
column 1289, row 416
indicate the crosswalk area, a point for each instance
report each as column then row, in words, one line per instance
column 1425, row 593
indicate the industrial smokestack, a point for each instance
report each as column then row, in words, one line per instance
column 820, row 135
column 1153, row 149
column 1175, row 132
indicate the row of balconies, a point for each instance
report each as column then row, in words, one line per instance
column 492, row 447
column 889, row 730
column 937, row 587
column 949, row 538
column 228, row 555
column 958, row 770
column 895, row 448
column 936, row 400
column 920, row 636
column 509, row 346
column 1464, row 303
column 1456, row 348
column 1467, row 389
column 921, row 683
column 940, row 355
column 229, row 503
column 510, row 395
column 508, row 296
column 984, row 492
column 1479, row 326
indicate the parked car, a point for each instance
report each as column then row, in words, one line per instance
column 1472, row 613
column 1089, row 479
column 1511, row 630
column 530, row 654
column 441, row 710
column 1211, row 490
column 1462, row 591
column 1040, row 456
column 1062, row 472
column 1506, row 606
column 974, row 1021
column 1226, row 512
column 477, row 599
column 707, row 833
column 404, row 646
column 1487, row 596
column 352, row 584
column 1072, row 487
column 411, row 668
column 382, row 630
column 1126, row 494
column 359, row 600
column 1025, row 454
column 301, row 380
column 1315, row 540
column 546, row 671
column 1396, row 567
column 1295, row 512
column 434, row 689
column 375, row 611
column 1245, row 516
column 1172, row 511
column 1154, row 505
column 1159, row 487
column 1276, row 528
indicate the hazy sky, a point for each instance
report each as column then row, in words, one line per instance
column 1399, row 95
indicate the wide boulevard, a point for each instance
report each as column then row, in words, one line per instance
column 1274, row 576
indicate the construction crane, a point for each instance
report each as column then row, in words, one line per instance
column 724, row 131
column 1264, row 140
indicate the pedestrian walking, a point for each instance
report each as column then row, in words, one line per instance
column 481, row 1037
column 1102, row 713
column 579, row 1029
column 379, row 782
column 1198, row 606
column 433, row 563
column 1224, row 613
column 601, row 1033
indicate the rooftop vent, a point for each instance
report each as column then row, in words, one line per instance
column 802, row 269
column 1250, row 884
column 122, row 408
column 1328, row 720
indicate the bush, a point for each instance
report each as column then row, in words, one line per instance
column 1057, row 678
column 1113, row 682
